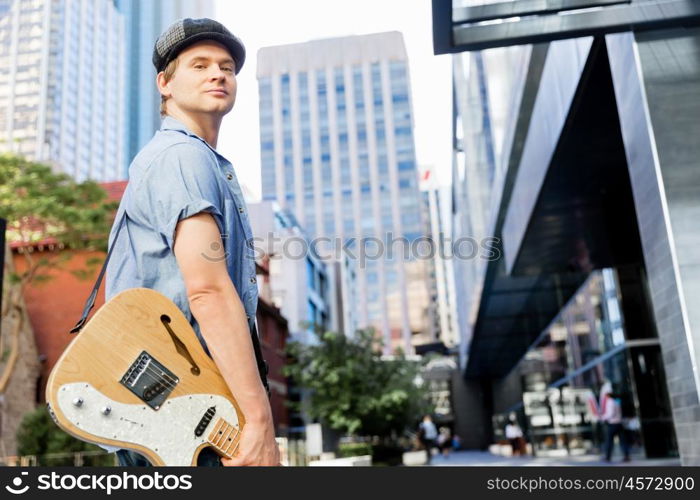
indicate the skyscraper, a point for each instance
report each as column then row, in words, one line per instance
column 576, row 152
column 337, row 149
column 61, row 67
column 440, row 282
column 145, row 20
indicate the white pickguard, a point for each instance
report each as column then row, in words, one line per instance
column 168, row 431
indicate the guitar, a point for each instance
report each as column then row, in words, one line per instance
column 137, row 377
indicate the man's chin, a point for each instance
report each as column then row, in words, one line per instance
column 223, row 107
column 216, row 109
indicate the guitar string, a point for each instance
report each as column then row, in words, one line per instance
column 152, row 371
column 158, row 375
column 227, row 437
column 219, row 423
column 223, row 423
column 235, row 432
column 224, row 427
column 236, row 447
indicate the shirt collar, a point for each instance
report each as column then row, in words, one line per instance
column 170, row 123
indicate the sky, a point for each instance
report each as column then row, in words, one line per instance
column 264, row 23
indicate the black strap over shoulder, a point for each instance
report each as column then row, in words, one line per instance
column 90, row 303
column 93, row 295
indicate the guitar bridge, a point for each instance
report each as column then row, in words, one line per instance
column 149, row 380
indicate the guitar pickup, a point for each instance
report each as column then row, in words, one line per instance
column 205, row 420
column 149, row 380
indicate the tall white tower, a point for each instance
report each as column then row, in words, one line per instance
column 337, row 149
column 61, row 91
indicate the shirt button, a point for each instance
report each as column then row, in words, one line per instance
column 253, row 280
column 229, row 176
column 241, row 210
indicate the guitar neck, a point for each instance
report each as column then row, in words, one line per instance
column 224, row 437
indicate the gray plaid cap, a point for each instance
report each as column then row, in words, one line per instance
column 185, row 32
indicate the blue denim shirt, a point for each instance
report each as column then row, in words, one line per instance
column 175, row 176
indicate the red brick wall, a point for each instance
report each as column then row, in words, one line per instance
column 273, row 336
column 55, row 306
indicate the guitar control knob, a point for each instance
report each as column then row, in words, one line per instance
column 78, row 402
column 106, row 410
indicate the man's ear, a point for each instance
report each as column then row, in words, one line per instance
column 163, row 86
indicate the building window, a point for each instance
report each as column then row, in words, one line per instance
column 310, row 275
column 311, row 314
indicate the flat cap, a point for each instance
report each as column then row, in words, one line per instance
column 185, row 32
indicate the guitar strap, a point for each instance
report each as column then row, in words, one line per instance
column 262, row 364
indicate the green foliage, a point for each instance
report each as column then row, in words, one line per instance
column 38, row 435
column 354, row 449
column 41, row 205
column 352, row 389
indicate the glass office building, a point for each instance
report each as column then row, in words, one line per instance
column 61, row 97
column 575, row 147
column 337, row 149
column 589, row 344
column 145, row 20
column 436, row 204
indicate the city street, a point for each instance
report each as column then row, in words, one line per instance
column 484, row 458
column 460, row 224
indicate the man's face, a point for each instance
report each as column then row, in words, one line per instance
column 204, row 81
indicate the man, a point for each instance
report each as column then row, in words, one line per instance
column 514, row 435
column 428, row 434
column 612, row 416
column 186, row 223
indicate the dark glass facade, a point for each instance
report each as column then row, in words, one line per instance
column 590, row 344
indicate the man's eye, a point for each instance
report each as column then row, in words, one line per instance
column 228, row 69
column 198, row 66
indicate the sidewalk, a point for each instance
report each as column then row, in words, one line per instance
column 484, row 458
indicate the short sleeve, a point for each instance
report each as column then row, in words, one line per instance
column 181, row 182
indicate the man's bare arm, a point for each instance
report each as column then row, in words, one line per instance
column 219, row 311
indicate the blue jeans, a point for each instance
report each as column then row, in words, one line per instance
column 127, row 458
column 612, row 430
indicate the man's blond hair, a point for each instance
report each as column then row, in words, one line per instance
column 168, row 73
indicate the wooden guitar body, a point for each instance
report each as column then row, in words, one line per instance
column 136, row 377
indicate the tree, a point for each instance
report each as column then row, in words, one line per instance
column 42, row 206
column 353, row 389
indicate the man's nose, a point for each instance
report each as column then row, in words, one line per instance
column 217, row 73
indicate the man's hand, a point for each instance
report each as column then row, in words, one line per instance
column 256, row 448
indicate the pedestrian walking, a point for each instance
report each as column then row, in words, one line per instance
column 612, row 416
column 444, row 441
column 514, row 435
column 427, row 433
